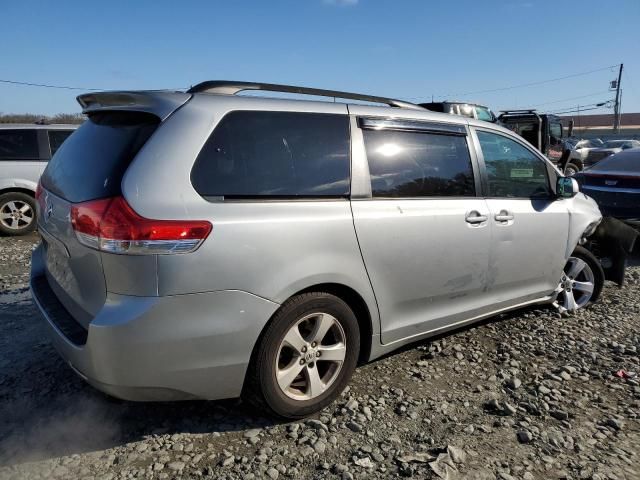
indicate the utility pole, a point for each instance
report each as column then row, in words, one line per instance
column 616, row 107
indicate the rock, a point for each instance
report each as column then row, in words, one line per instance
column 272, row 473
column 352, row 405
column 524, row 436
column 513, row 383
column 176, row 466
column 364, row 462
column 509, row 409
column 613, row 423
column 320, row 447
column 230, row 460
column 141, row 447
column 354, row 426
column 254, row 432
column 317, row 425
column 544, row 390
column 559, row 414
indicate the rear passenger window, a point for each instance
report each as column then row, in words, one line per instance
column 512, row 170
column 19, row 144
column 416, row 164
column 56, row 137
column 253, row 154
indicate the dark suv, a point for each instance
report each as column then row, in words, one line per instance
column 546, row 133
column 25, row 150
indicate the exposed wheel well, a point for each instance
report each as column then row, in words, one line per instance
column 359, row 307
column 31, row 193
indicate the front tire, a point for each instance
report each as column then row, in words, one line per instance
column 305, row 357
column 17, row 214
column 570, row 169
column 581, row 282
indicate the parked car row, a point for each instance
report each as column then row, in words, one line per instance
column 205, row 244
column 24, row 153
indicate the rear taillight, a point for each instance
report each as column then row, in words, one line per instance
column 39, row 196
column 111, row 225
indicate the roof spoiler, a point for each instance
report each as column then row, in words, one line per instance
column 159, row 103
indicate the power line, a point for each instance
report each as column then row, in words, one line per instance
column 568, row 99
column 64, row 87
column 531, row 84
column 583, row 108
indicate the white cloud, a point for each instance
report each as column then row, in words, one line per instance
column 341, row 3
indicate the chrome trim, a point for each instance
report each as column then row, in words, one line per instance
column 375, row 123
column 611, row 189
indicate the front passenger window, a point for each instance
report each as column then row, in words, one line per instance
column 512, row 170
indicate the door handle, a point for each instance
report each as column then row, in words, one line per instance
column 474, row 217
column 503, row 216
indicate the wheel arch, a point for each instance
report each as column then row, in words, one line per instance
column 352, row 298
column 26, row 191
column 355, row 301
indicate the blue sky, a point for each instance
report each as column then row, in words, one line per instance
column 408, row 49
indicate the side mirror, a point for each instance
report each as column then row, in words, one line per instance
column 567, row 187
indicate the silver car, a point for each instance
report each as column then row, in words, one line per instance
column 211, row 245
column 25, row 150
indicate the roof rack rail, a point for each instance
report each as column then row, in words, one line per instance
column 526, row 110
column 231, row 88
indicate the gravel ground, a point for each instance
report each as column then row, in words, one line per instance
column 528, row 395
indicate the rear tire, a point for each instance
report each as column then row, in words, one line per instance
column 570, row 169
column 17, row 214
column 305, row 357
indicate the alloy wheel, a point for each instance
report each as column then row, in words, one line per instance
column 576, row 286
column 310, row 356
column 16, row 215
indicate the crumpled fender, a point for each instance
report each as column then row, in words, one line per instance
column 615, row 240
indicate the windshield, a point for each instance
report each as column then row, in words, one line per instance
column 485, row 114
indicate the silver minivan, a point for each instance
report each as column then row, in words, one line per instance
column 25, row 150
column 210, row 245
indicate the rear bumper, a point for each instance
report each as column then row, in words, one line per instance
column 159, row 348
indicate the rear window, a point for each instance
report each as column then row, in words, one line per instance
column 19, row 144
column 253, row 154
column 91, row 163
column 625, row 161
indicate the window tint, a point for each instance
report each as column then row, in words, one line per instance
column 19, row 144
column 275, row 154
column 411, row 164
column 56, row 137
column 90, row 164
column 512, row 170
